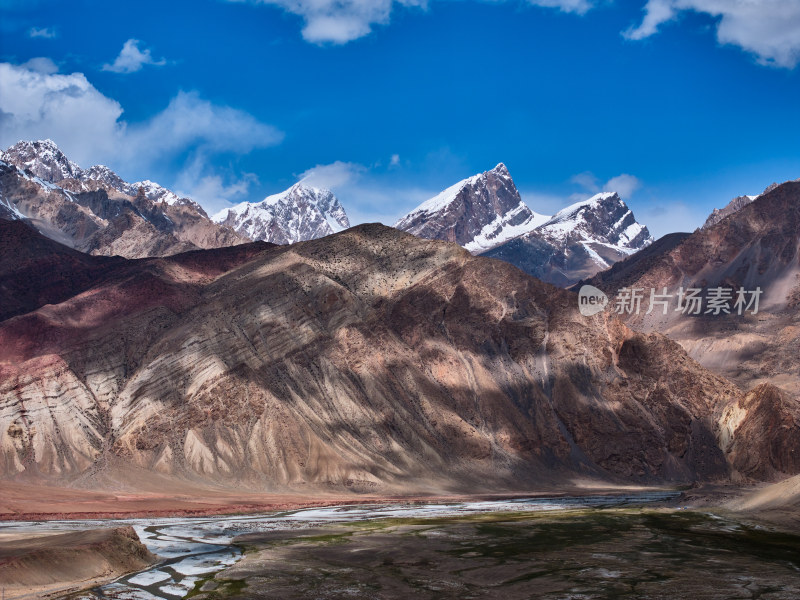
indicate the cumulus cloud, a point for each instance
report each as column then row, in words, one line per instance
column 342, row 21
column 339, row 21
column 770, row 29
column 87, row 125
column 42, row 32
column 132, row 58
column 191, row 121
column 66, row 108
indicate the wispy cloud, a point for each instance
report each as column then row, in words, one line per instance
column 334, row 175
column 190, row 121
column 624, row 184
column 132, row 58
column 569, row 6
column 659, row 215
column 42, row 32
column 41, row 64
column 212, row 190
column 770, row 29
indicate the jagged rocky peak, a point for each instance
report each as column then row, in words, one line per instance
column 44, row 159
column 479, row 213
column 603, row 218
column 96, row 211
column 578, row 241
column 733, row 206
column 102, row 174
column 301, row 213
column 157, row 193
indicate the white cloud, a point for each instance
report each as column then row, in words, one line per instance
column 189, row 121
column 42, row 32
column 342, row 21
column 369, row 194
column 333, row 176
column 211, row 190
column 131, row 59
column 625, row 185
column 41, row 64
column 65, row 108
column 586, row 180
column 395, row 160
column 770, row 29
column 87, row 125
column 339, row 21
column 569, row 6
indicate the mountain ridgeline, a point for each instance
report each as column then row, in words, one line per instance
column 486, row 215
column 95, row 211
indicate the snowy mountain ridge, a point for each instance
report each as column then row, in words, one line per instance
column 44, row 159
column 299, row 213
column 603, row 219
column 486, row 215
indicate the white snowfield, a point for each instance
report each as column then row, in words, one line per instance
column 501, row 230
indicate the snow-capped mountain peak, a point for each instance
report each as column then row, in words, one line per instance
column 602, row 219
column 299, row 213
column 479, row 213
column 446, row 197
column 96, row 211
column 578, row 241
column 44, row 159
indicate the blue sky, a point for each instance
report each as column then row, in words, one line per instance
column 679, row 104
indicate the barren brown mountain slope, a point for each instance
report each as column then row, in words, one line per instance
column 367, row 360
column 757, row 246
